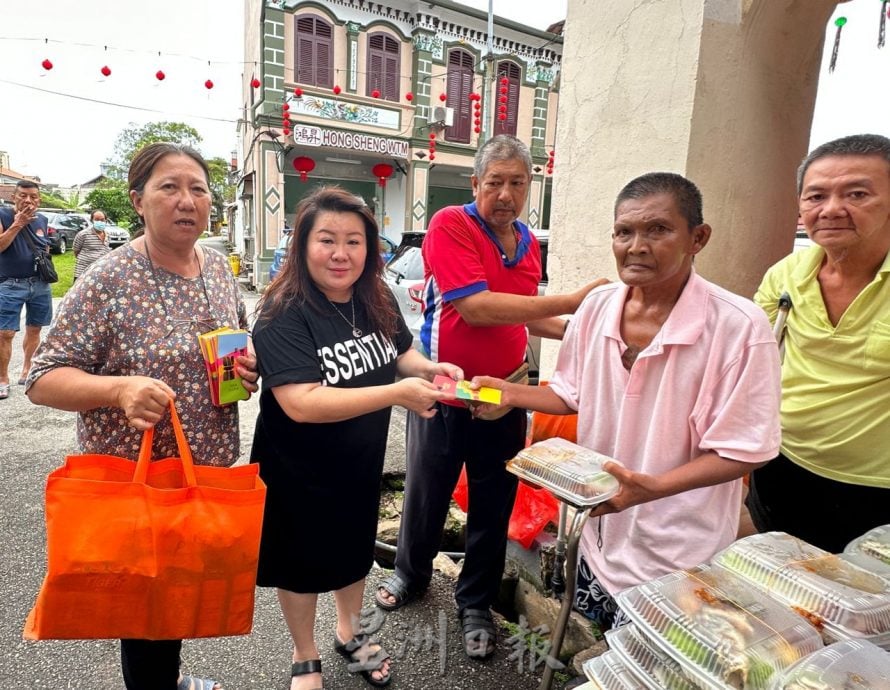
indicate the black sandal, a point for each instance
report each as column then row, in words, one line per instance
column 480, row 634
column 305, row 668
column 399, row 590
column 362, row 660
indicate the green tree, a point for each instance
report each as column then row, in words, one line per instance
column 113, row 197
column 222, row 190
column 133, row 138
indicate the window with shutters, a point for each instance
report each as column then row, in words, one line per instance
column 458, row 88
column 313, row 51
column 383, row 66
column 513, row 73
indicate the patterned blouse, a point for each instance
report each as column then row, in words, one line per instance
column 122, row 319
column 88, row 248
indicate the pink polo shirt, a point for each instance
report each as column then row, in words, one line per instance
column 709, row 381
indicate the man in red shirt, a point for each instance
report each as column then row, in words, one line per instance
column 482, row 267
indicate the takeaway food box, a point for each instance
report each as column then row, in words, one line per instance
column 721, row 631
column 834, row 592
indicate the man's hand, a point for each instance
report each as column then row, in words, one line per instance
column 144, row 400
column 634, row 488
column 579, row 295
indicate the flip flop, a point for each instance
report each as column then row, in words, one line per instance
column 4, row 391
column 23, row 380
column 400, row 590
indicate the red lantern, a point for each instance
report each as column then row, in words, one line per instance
column 298, row 92
column 502, row 108
column 304, row 165
column 505, row 81
column 503, row 89
column 285, row 107
column 106, row 71
column 502, row 116
column 443, row 97
column 208, row 84
column 503, row 99
column 409, row 96
column 160, row 76
column 432, row 156
column 375, row 94
column 382, row 171
column 432, row 135
column 336, row 90
column 477, row 129
column 255, row 83
column 47, row 64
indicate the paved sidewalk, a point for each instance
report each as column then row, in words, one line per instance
column 33, row 441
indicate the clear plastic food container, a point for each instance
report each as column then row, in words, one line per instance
column 573, row 473
column 832, row 592
column 643, row 658
column 875, row 544
column 608, row 672
column 723, row 632
column 849, row 665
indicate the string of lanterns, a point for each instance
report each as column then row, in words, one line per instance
column 840, row 22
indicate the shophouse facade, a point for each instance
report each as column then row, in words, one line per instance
column 389, row 100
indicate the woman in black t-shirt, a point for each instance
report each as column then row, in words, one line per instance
column 330, row 342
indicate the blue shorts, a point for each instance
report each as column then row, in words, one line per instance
column 30, row 292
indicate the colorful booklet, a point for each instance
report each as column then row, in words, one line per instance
column 220, row 348
column 462, row 390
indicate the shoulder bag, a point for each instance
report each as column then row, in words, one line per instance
column 43, row 262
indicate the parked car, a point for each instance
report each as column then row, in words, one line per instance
column 116, row 235
column 62, row 228
column 802, row 240
column 404, row 276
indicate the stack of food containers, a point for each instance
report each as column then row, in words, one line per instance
column 838, row 596
column 653, row 668
column 574, row 474
column 848, row 665
column 608, row 672
column 723, row 633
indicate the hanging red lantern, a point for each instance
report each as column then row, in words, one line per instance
column 477, row 129
column 502, row 108
column 504, row 89
column 285, row 106
column 505, row 81
column 432, row 135
column 106, row 71
column 503, row 99
column 47, row 64
column 409, row 96
column 208, row 84
column 286, row 131
column 432, row 156
column 443, row 97
column 375, row 94
column 336, row 90
column 502, row 116
column 298, row 92
column 255, row 83
column 160, row 76
column 304, row 165
column 382, row 171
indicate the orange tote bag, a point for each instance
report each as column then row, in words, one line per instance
column 149, row 550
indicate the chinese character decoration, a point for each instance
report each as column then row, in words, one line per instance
column 304, row 165
column 839, row 23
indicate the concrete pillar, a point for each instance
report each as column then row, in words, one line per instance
column 721, row 91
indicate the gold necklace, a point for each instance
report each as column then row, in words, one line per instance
column 356, row 331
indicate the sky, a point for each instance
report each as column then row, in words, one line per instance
column 61, row 123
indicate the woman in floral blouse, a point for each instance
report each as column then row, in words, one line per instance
column 124, row 343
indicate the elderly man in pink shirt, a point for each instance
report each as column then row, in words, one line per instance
column 675, row 378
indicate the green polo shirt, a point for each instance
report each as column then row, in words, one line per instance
column 835, row 379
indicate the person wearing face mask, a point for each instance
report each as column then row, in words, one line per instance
column 91, row 243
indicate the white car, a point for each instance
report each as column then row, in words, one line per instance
column 403, row 274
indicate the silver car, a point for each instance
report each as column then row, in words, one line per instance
column 116, row 235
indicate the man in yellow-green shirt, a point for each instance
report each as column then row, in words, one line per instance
column 831, row 481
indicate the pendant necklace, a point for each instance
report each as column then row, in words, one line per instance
column 356, row 331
